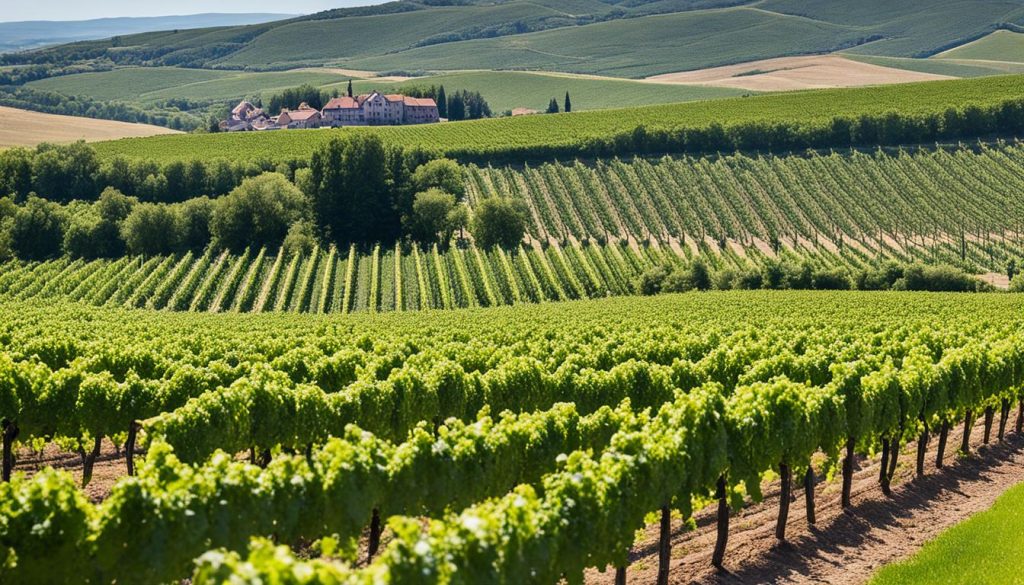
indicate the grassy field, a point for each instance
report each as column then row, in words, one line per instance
column 1002, row 45
column 982, row 550
column 637, row 47
column 964, row 68
column 24, row 128
column 585, row 36
column 146, row 85
column 504, row 90
column 511, row 134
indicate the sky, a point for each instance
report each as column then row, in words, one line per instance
column 79, row 10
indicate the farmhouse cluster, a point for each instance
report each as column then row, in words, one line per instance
column 372, row 109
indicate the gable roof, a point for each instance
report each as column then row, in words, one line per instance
column 420, row 102
column 341, row 103
column 302, row 115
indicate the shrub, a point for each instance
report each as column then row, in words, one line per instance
column 920, row 277
column 434, row 217
column 151, row 229
column 834, row 279
column 1017, row 284
column 300, row 238
column 37, row 229
column 192, row 222
column 499, row 222
column 444, row 174
column 651, row 281
column 257, row 213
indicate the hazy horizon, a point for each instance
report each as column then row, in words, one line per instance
column 63, row 10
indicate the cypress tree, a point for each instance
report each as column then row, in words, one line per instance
column 350, row 88
column 568, row 103
column 553, row 106
column 442, row 102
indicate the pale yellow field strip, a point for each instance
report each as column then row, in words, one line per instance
column 25, row 128
column 792, row 73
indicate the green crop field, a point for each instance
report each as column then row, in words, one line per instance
column 593, row 231
column 529, row 441
column 146, row 85
column 980, row 551
column 861, row 204
column 128, row 84
column 952, row 67
column 632, row 39
column 641, row 47
column 567, row 131
column 504, row 90
column 1002, row 45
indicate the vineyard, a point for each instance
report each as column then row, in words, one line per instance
column 329, row 281
column 513, row 445
column 594, row 229
column 960, row 206
column 780, row 122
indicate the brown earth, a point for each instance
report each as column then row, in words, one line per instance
column 792, row 73
column 25, row 128
column 110, row 466
column 845, row 548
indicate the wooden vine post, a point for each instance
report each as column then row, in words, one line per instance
column 10, row 433
column 784, row 498
column 848, row 473
column 722, row 494
column 965, row 445
column 943, row 437
column 129, row 446
column 809, row 481
column 894, row 453
column 922, row 449
column 883, row 472
column 89, row 459
column 1004, row 416
column 375, row 531
column 989, row 417
column 665, row 546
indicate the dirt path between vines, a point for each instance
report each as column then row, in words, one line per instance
column 845, row 548
column 109, row 467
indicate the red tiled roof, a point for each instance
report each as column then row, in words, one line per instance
column 420, row 102
column 395, row 97
column 301, row 115
column 341, row 103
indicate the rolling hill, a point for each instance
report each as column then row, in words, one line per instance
column 635, row 38
column 504, row 90
column 1000, row 46
column 577, row 134
column 19, row 36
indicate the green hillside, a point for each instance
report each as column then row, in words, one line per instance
column 570, row 133
column 627, row 39
column 637, row 47
column 146, row 85
column 1002, row 45
column 950, row 67
column 504, row 90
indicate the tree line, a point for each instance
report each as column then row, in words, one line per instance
column 886, row 129
column 356, row 190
